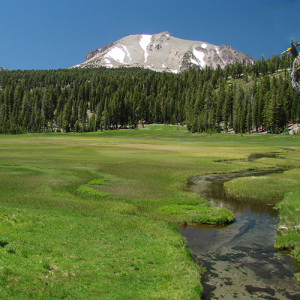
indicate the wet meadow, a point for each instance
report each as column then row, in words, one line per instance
column 96, row 215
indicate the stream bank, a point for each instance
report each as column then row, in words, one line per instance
column 240, row 259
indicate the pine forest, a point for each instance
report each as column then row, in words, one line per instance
column 239, row 98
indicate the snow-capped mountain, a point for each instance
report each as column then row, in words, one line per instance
column 162, row 52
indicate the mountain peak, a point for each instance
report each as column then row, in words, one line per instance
column 162, row 52
column 165, row 33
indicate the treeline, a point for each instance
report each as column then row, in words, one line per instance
column 242, row 98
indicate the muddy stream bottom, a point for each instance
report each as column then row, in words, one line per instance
column 240, row 259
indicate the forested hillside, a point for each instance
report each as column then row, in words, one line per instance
column 242, row 98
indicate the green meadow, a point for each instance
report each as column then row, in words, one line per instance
column 96, row 215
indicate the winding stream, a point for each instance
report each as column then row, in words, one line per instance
column 240, row 259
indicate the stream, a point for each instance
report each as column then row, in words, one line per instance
column 240, row 259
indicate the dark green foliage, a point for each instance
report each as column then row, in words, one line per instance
column 242, row 98
column 3, row 241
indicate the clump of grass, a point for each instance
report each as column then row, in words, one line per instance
column 121, row 207
column 46, row 264
column 289, row 227
column 155, row 209
column 90, row 192
column 100, row 181
column 199, row 214
column 10, row 248
column 111, row 205
column 24, row 253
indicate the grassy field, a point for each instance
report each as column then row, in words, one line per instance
column 93, row 216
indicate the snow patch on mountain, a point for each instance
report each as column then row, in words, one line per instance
column 118, row 54
column 127, row 52
column 193, row 61
column 218, row 52
column 108, row 63
column 200, row 56
column 144, row 42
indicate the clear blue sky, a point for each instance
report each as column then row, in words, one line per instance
column 52, row 34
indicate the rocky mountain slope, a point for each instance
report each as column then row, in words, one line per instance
column 162, row 52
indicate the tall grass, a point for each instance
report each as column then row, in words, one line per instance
column 268, row 187
column 289, row 227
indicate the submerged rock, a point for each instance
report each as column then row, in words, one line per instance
column 283, row 227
